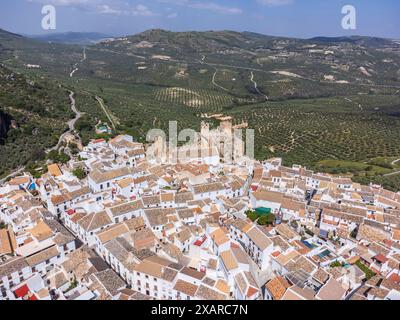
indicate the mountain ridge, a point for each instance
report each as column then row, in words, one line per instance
column 71, row 37
column 58, row 37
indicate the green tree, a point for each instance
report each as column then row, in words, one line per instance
column 79, row 173
column 266, row 220
column 252, row 215
column 53, row 155
column 63, row 157
column 74, row 148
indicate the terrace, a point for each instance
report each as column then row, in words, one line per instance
column 324, row 256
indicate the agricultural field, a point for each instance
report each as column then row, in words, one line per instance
column 308, row 131
column 335, row 108
column 198, row 99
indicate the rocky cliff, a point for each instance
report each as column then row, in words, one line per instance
column 5, row 121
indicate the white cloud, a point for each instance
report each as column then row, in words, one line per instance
column 63, row 3
column 172, row 15
column 106, row 9
column 210, row 6
column 142, row 10
column 275, row 3
column 215, row 7
column 111, row 7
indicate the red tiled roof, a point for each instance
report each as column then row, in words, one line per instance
column 381, row 258
column 395, row 278
column 21, row 291
column 251, row 291
column 32, row 297
column 199, row 242
column 275, row 254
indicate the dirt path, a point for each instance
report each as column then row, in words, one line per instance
column 84, row 55
column 76, row 65
column 395, row 161
column 392, row 174
column 358, row 104
column 72, row 72
column 12, row 175
column 256, row 86
column 202, row 61
column 216, row 84
column 71, row 123
column 102, row 105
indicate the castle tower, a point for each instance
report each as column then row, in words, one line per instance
column 205, row 135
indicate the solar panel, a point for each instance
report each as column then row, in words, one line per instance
column 298, row 278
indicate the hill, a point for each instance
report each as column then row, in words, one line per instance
column 309, row 100
column 33, row 113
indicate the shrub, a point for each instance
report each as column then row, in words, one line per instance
column 252, row 215
column 79, row 173
column 266, row 220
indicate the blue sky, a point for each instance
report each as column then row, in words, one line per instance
column 295, row 18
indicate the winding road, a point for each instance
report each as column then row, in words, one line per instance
column 216, row 84
column 203, row 58
column 72, row 72
column 71, row 123
column 76, row 64
column 256, row 86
